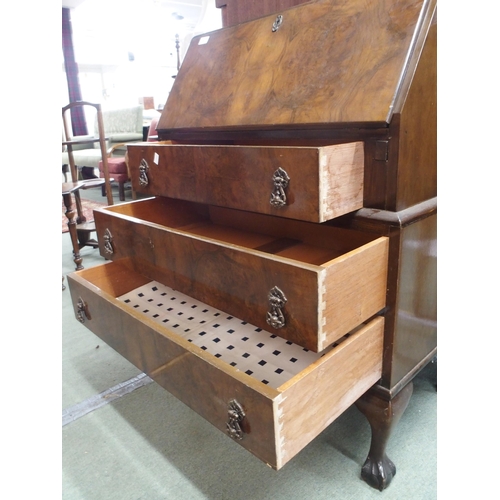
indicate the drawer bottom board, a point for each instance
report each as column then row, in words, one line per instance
column 263, row 355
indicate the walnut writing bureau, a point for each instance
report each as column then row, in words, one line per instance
column 282, row 265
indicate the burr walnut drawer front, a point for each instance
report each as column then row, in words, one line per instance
column 271, row 396
column 315, row 184
column 310, row 283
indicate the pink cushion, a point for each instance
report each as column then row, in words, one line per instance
column 153, row 133
column 115, row 165
column 117, row 169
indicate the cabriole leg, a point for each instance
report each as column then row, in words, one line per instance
column 383, row 417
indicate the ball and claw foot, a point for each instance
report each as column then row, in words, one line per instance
column 378, row 473
column 383, row 416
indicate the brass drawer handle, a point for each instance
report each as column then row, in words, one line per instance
column 143, row 173
column 82, row 310
column 277, row 301
column 108, row 242
column 280, row 180
column 235, row 416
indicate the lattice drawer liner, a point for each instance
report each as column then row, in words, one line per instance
column 259, row 353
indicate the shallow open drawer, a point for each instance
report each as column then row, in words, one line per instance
column 314, row 184
column 309, row 283
column 269, row 395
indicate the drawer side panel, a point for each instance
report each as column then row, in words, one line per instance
column 309, row 405
column 355, row 289
column 342, row 180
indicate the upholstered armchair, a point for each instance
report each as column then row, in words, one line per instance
column 120, row 126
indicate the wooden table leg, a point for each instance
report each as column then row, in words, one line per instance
column 70, row 214
column 383, row 416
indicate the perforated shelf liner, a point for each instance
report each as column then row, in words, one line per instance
column 259, row 353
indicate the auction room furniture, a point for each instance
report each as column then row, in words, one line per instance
column 79, row 228
column 284, row 266
column 118, row 165
column 118, row 169
column 120, row 126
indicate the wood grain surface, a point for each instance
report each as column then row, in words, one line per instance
column 324, row 182
column 333, row 278
column 316, row 397
column 330, row 62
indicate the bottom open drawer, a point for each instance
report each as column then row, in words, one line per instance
column 271, row 396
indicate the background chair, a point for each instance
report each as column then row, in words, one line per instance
column 120, row 126
column 152, row 132
column 118, row 165
column 118, row 169
column 79, row 228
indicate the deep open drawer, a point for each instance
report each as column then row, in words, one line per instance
column 278, row 421
column 314, row 184
column 311, row 283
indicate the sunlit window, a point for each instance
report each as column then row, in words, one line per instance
column 125, row 49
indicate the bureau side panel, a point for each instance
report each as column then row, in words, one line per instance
column 415, row 331
column 417, row 132
column 204, row 387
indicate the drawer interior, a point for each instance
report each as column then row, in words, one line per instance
column 263, row 355
column 302, row 241
column 267, row 358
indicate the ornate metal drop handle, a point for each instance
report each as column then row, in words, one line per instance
column 235, row 415
column 280, row 180
column 108, row 242
column 277, row 23
column 82, row 310
column 143, row 173
column 277, row 301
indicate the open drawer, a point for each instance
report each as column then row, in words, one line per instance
column 310, row 283
column 269, row 395
column 314, row 184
